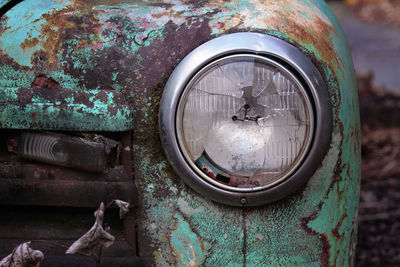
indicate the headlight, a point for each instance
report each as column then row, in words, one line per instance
column 244, row 117
column 244, row 122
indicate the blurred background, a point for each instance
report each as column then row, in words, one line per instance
column 373, row 31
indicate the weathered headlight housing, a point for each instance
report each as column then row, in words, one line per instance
column 245, row 119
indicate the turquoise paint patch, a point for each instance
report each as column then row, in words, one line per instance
column 64, row 114
column 277, row 229
column 185, row 244
column 25, row 22
column 243, row 6
column 55, row 119
column 10, row 77
column 219, row 228
column 341, row 204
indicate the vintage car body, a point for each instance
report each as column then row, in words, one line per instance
column 119, row 54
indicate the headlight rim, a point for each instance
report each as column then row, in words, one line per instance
column 257, row 44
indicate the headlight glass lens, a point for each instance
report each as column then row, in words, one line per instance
column 244, row 122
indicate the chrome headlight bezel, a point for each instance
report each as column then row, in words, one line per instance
column 273, row 50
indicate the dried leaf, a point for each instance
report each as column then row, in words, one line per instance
column 94, row 238
column 123, row 208
column 23, row 256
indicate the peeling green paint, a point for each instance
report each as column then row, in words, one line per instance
column 217, row 228
column 186, row 246
column 64, row 110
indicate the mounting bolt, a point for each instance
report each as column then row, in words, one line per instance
column 243, row 200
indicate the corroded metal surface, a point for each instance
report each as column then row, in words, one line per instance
column 49, row 186
column 132, row 47
column 63, row 109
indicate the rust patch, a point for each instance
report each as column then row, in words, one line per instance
column 102, row 96
column 197, row 3
column 294, row 21
column 29, row 43
column 114, row 60
column 335, row 231
column 34, row 117
column 41, row 81
column 170, row 13
column 74, row 21
column 170, row 50
column 319, row 37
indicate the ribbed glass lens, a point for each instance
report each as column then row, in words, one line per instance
column 244, row 122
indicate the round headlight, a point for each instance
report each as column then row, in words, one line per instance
column 241, row 117
column 244, row 122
